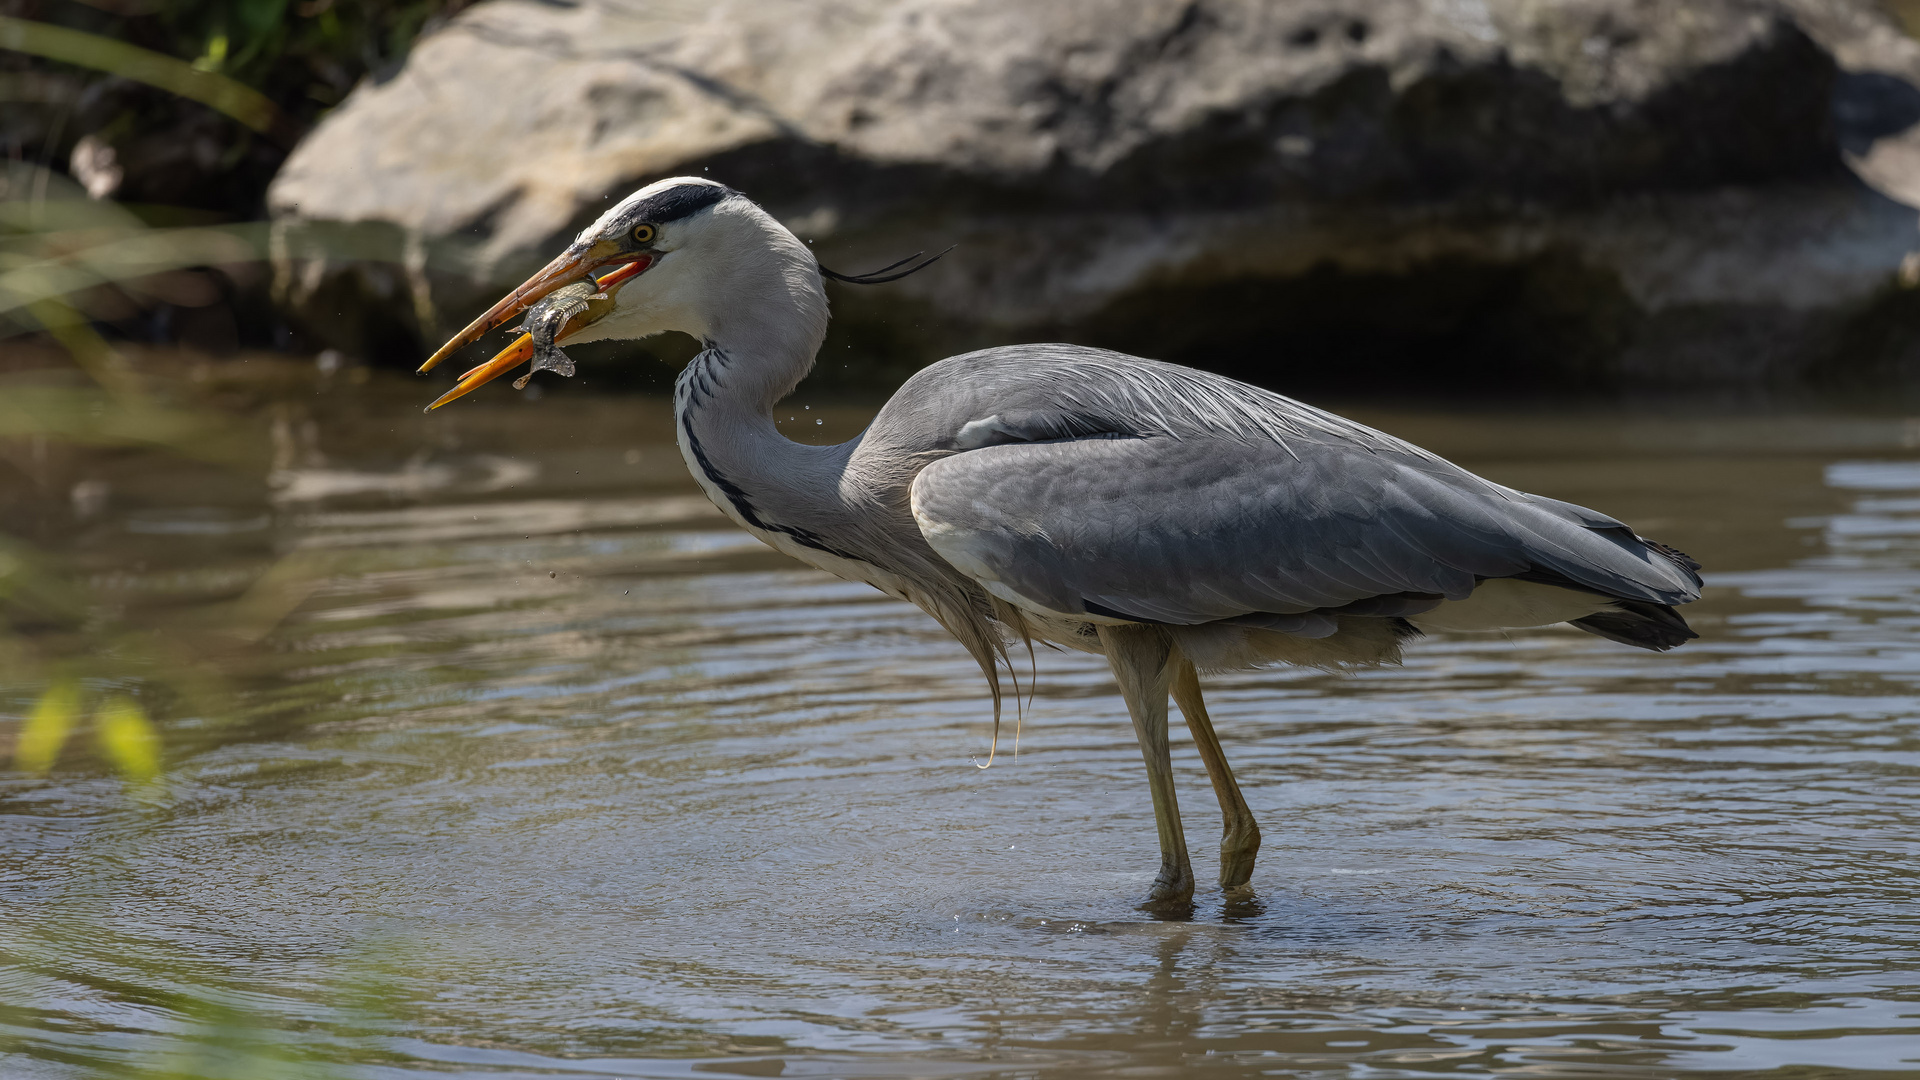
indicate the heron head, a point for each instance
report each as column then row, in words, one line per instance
column 665, row 258
column 684, row 254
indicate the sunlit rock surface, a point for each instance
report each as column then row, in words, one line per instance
column 1496, row 191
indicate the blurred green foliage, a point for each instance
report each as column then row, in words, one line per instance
column 73, row 650
column 142, row 65
column 188, row 105
column 304, row 54
column 140, row 137
column 1906, row 12
column 125, row 737
column 47, row 726
column 88, row 90
column 166, row 113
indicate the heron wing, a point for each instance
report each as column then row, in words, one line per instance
column 1196, row 529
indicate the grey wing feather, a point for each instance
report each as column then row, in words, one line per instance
column 1153, row 492
column 1199, row 530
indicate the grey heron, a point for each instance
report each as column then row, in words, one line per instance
column 1176, row 521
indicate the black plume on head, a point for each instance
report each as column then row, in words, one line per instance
column 679, row 201
column 880, row 276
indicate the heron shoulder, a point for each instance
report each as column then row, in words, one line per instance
column 1032, row 393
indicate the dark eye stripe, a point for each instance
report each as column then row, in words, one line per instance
column 678, row 202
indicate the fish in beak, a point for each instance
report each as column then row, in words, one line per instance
column 569, row 280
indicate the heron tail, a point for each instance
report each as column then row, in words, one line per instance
column 1643, row 625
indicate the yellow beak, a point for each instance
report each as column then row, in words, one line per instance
column 575, row 264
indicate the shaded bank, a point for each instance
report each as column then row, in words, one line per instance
column 1375, row 193
column 92, row 107
column 144, row 123
column 1496, row 194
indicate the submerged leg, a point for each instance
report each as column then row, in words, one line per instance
column 1240, row 838
column 1142, row 660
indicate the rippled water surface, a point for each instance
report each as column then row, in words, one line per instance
column 538, row 767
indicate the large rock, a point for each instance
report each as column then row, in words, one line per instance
column 1521, row 191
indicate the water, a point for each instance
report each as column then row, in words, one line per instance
column 526, row 763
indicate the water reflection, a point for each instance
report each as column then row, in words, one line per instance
column 539, row 768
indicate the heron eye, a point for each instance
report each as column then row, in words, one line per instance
column 643, row 234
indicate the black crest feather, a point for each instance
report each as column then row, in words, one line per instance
column 881, row 276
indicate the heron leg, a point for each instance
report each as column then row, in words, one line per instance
column 1142, row 659
column 1240, row 836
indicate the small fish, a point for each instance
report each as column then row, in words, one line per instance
column 545, row 321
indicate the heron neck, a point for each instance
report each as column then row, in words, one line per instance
column 762, row 341
column 728, row 434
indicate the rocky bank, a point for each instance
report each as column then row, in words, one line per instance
column 1437, row 192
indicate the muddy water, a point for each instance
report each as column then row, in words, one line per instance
column 540, row 768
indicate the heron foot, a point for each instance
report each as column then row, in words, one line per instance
column 1237, row 853
column 1172, row 889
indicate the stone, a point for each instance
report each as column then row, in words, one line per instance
column 1440, row 192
